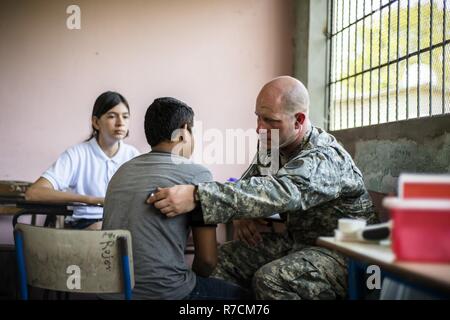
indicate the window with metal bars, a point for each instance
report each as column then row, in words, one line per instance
column 388, row 61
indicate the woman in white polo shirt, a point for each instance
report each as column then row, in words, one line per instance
column 82, row 172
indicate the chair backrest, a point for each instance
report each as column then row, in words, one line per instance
column 74, row 260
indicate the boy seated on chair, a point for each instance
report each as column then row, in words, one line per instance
column 159, row 243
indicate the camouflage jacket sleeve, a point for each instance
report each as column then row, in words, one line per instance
column 303, row 183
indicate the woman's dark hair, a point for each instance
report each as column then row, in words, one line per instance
column 163, row 117
column 105, row 102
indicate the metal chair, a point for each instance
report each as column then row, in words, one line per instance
column 83, row 261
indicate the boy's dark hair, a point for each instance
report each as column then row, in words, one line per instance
column 163, row 117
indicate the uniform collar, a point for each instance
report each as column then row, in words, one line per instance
column 302, row 146
column 99, row 152
column 306, row 138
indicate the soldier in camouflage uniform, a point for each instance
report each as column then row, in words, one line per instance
column 317, row 184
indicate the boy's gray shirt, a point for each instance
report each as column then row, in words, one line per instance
column 158, row 242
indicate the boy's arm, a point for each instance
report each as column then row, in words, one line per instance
column 205, row 243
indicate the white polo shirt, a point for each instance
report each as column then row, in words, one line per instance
column 85, row 169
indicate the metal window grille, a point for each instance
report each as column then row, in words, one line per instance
column 387, row 61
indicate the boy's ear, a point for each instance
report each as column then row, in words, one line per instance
column 178, row 134
column 182, row 132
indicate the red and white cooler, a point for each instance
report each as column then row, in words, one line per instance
column 421, row 229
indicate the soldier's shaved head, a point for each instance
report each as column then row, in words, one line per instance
column 283, row 105
column 291, row 93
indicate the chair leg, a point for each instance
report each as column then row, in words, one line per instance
column 356, row 280
column 18, row 239
column 50, row 221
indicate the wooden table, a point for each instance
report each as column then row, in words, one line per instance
column 19, row 206
column 8, row 205
column 433, row 277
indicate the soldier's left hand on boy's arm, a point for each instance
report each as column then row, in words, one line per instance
column 173, row 201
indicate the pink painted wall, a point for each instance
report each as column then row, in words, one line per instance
column 215, row 55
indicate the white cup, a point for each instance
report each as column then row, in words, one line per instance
column 351, row 225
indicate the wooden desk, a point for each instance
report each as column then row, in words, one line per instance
column 434, row 276
column 8, row 211
column 19, row 207
column 8, row 205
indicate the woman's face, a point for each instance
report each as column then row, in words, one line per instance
column 113, row 125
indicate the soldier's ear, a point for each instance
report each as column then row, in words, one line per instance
column 299, row 119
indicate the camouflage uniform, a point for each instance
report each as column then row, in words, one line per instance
column 314, row 188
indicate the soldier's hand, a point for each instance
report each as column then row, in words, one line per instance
column 173, row 201
column 246, row 230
